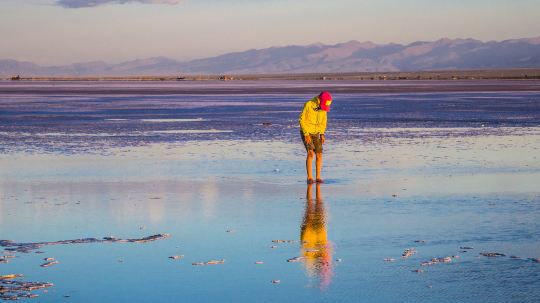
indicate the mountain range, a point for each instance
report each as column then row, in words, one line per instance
column 352, row 56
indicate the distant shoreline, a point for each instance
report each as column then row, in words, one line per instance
column 268, row 86
column 504, row 74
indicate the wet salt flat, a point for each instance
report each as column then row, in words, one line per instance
column 439, row 178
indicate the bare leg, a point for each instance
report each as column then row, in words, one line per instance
column 309, row 194
column 318, row 195
column 318, row 164
column 309, row 161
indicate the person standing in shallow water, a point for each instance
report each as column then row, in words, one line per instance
column 312, row 127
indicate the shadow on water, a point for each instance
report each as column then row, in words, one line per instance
column 316, row 249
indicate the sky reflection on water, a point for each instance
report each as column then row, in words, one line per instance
column 477, row 191
column 395, row 174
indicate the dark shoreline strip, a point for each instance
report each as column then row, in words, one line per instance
column 382, row 87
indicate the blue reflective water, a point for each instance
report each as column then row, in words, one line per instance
column 73, row 117
column 461, row 185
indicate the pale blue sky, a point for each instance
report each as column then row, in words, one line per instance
column 45, row 32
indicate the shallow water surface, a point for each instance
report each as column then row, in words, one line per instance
column 451, row 189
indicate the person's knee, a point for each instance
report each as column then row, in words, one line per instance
column 319, row 155
column 310, row 154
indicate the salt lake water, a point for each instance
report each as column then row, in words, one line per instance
column 450, row 174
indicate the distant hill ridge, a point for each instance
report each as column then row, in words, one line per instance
column 352, row 56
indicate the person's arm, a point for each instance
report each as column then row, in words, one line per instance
column 302, row 119
column 302, row 122
column 323, row 129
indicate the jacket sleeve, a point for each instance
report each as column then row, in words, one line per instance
column 323, row 125
column 302, row 120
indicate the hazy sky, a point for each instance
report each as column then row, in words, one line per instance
column 65, row 31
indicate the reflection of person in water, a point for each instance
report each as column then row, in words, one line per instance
column 316, row 248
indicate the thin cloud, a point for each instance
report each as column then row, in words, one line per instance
column 93, row 3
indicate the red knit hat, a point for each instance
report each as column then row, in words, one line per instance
column 325, row 99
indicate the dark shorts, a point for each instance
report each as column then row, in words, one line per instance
column 316, row 143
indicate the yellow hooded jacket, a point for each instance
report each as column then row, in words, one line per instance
column 312, row 119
